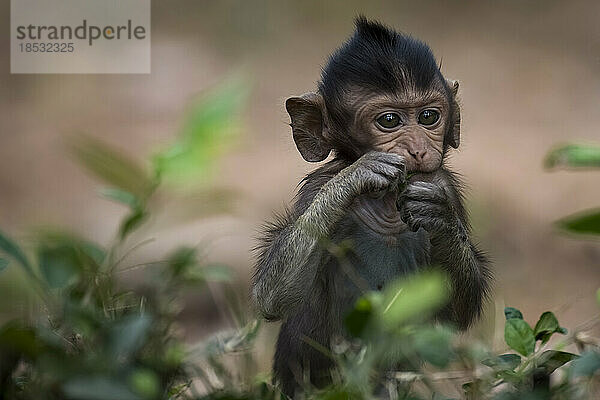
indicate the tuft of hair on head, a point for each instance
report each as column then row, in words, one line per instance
column 374, row 29
column 379, row 58
column 374, row 59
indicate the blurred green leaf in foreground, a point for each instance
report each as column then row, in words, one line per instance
column 585, row 222
column 573, row 156
column 94, row 335
column 111, row 165
column 577, row 156
column 210, row 128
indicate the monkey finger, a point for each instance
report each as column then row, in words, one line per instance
column 423, row 187
column 414, row 223
column 394, row 159
column 428, row 223
column 390, row 158
column 387, row 170
column 425, row 191
column 380, row 162
column 375, row 182
column 424, row 209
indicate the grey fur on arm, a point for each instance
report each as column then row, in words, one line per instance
column 438, row 208
column 287, row 266
column 287, row 262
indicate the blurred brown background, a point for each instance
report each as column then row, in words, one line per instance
column 530, row 78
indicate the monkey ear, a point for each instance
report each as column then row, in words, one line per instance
column 454, row 140
column 308, row 128
column 453, row 85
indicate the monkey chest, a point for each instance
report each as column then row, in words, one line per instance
column 374, row 260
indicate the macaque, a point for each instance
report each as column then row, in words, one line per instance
column 388, row 117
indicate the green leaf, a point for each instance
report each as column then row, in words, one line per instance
column 97, row 388
column 15, row 337
column 91, row 250
column 434, row 346
column 86, row 255
column 504, row 362
column 215, row 273
column 208, row 131
column 121, row 196
column 182, row 260
column 510, row 376
column 145, row 382
column 112, row 166
column 129, row 334
column 586, row 222
column 3, row 264
column 132, row 222
column 553, row 359
column 11, row 249
column 574, row 156
column 418, row 296
column 587, row 364
column 358, row 319
column 546, row 326
column 174, row 354
column 59, row 265
column 519, row 336
column 511, row 312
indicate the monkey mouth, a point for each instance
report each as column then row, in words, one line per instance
column 422, row 167
column 416, row 169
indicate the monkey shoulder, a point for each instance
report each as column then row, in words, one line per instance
column 312, row 183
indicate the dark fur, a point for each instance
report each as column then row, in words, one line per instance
column 298, row 280
column 372, row 59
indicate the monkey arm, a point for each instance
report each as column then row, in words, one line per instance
column 289, row 256
column 285, row 272
column 469, row 273
column 437, row 207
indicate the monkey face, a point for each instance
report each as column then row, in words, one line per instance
column 416, row 124
column 381, row 90
column 411, row 124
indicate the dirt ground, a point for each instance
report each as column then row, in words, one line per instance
column 530, row 78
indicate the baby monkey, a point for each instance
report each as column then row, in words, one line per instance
column 384, row 110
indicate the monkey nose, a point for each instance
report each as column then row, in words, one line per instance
column 418, row 154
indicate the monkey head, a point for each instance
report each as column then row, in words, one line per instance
column 382, row 91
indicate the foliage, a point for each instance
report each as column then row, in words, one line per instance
column 210, row 129
column 96, row 335
column 99, row 336
column 577, row 156
column 573, row 156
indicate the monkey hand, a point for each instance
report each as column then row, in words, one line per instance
column 375, row 171
column 426, row 205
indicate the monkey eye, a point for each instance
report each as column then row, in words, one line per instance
column 429, row 117
column 389, row 120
